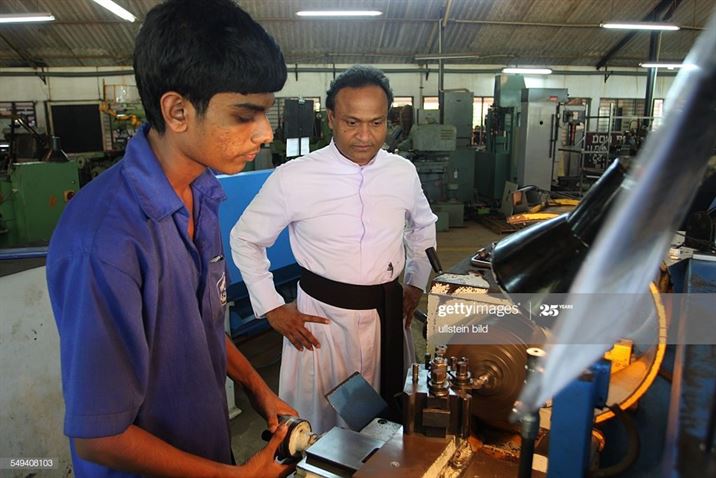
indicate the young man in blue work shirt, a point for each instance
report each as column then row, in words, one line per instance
column 136, row 270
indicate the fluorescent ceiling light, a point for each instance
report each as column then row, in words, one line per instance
column 640, row 26
column 670, row 66
column 26, row 17
column 528, row 71
column 338, row 13
column 116, row 9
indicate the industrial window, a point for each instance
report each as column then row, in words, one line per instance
column 658, row 112
column 122, row 94
column 480, row 105
column 402, row 101
column 25, row 109
column 576, row 100
column 627, row 113
column 275, row 113
column 431, row 103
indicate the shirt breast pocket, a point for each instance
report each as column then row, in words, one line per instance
column 216, row 288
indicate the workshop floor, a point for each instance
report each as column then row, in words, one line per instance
column 264, row 351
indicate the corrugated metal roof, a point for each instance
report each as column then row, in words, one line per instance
column 85, row 34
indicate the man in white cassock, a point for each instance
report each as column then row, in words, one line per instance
column 356, row 216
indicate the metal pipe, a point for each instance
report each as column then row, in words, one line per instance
column 423, row 20
column 441, row 74
column 530, row 422
column 530, row 427
column 448, row 7
column 549, row 25
column 322, row 69
column 654, row 47
column 23, row 253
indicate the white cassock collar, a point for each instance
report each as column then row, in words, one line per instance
column 348, row 162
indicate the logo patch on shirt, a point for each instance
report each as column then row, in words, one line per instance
column 221, row 288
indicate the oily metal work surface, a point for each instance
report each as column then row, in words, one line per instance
column 411, row 456
column 345, row 448
column 483, row 465
column 404, row 456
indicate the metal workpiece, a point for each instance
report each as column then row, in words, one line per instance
column 487, row 378
column 427, row 358
column 415, row 372
column 478, row 383
column 483, row 383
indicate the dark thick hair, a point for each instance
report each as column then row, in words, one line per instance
column 355, row 77
column 199, row 48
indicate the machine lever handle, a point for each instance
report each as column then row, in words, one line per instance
column 434, row 260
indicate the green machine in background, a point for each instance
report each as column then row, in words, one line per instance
column 522, row 137
column 493, row 165
column 32, row 198
column 458, row 111
column 445, row 158
column 36, row 182
column 431, row 147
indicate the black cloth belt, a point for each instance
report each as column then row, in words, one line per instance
column 387, row 298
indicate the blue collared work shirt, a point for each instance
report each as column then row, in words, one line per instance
column 140, row 310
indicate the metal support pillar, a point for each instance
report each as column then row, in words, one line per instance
column 654, row 47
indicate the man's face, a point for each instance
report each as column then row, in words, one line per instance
column 231, row 131
column 359, row 122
